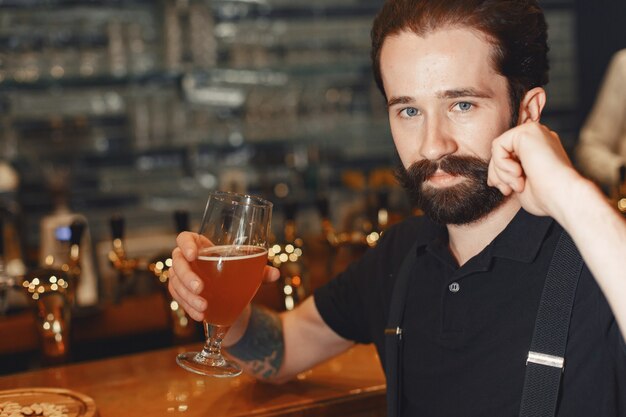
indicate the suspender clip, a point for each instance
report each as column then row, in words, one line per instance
column 546, row 360
column 397, row 331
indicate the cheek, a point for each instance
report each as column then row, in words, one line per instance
column 406, row 145
column 478, row 137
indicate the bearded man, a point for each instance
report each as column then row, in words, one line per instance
column 463, row 82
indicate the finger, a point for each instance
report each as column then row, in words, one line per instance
column 184, row 296
column 190, row 242
column 509, row 166
column 494, row 181
column 517, row 184
column 194, row 313
column 508, row 181
column 270, row 274
column 186, row 242
column 505, row 142
column 184, row 273
column 504, row 188
column 511, row 173
column 499, row 179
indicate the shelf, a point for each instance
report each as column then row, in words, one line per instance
column 159, row 78
column 30, row 4
column 268, row 76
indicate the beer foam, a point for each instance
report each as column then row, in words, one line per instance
column 224, row 252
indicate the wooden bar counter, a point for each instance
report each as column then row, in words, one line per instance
column 152, row 384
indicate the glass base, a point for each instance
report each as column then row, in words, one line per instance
column 203, row 364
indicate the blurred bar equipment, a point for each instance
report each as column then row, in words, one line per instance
column 11, row 261
column 126, row 267
column 57, row 248
column 286, row 255
column 183, row 328
column 73, row 266
column 52, row 293
column 7, row 282
column 136, row 276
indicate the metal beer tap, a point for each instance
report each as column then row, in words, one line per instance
column 125, row 266
column 52, row 293
column 6, row 280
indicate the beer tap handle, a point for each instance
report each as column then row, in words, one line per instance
column 77, row 228
column 181, row 218
column 323, row 207
column 290, row 208
column 328, row 231
column 117, row 227
column 382, row 211
column 1, row 237
column 117, row 233
column 125, row 266
column 4, row 279
column 383, row 198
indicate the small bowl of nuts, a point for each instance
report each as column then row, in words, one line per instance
column 46, row 402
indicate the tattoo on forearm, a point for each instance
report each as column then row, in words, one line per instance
column 262, row 346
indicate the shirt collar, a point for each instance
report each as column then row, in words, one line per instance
column 520, row 241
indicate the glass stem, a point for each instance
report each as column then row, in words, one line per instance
column 214, row 336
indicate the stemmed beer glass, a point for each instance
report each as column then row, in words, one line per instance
column 231, row 258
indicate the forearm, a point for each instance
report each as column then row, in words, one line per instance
column 276, row 347
column 599, row 232
column 259, row 346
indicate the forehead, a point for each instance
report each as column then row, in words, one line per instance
column 444, row 59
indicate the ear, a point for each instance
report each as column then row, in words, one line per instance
column 532, row 105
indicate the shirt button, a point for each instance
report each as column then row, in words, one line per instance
column 454, row 287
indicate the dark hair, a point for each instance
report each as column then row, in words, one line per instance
column 516, row 28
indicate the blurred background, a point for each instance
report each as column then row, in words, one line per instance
column 124, row 114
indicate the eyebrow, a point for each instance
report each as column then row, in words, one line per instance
column 399, row 100
column 446, row 94
column 463, row 92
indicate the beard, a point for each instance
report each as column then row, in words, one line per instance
column 460, row 204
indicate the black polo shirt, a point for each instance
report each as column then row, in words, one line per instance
column 467, row 330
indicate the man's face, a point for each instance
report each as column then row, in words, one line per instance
column 446, row 104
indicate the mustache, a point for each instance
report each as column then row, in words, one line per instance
column 462, row 203
column 467, row 166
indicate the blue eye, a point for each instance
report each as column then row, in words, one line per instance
column 409, row 112
column 465, row 106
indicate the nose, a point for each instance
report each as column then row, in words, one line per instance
column 436, row 142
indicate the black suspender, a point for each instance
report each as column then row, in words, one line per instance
column 546, row 358
column 547, row 351
column 393, row 334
